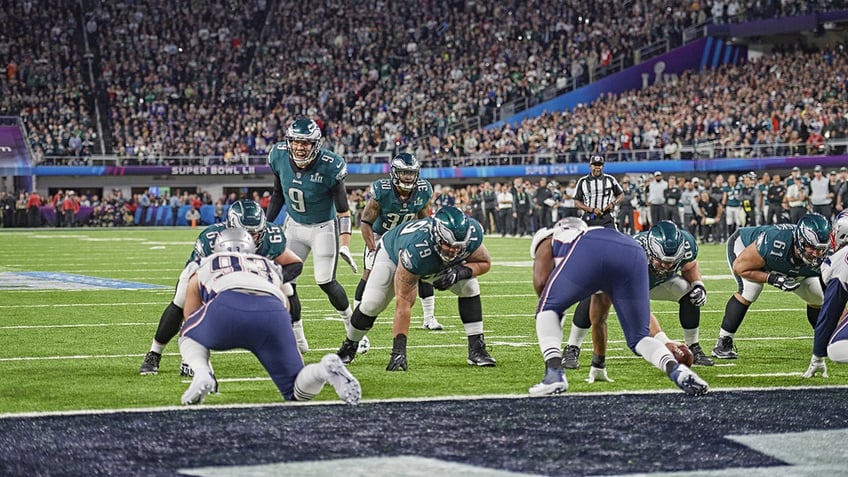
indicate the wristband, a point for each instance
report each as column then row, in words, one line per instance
column 344, row 224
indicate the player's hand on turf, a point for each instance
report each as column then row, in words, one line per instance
column 449, row 277
column 698, row 295
column 598, row 374
column 817, row 365
column 783, row 282
column 344, row 253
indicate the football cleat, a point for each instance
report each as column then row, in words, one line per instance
column 348, row 351
column 300, row 337
column 430, row 323
column 199, row 388
column 554, row 383
column 688, row 381
column 150, row 366
column 185, row 370
column 364, row 345
column 569, row 357
column 701, row 359
column 345, row 384
column 397, row 362
column 724, row 348
column 477, row 354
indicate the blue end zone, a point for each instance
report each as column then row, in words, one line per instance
column 85, row 281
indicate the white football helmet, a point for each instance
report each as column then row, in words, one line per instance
column 839, row 231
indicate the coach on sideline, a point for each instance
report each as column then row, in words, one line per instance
column 598, row 194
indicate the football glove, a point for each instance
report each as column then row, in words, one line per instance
column 698, row 294
column 783, row 282
column 817, row 365
column 452, row 275
column 344, row 253
column 598, row 374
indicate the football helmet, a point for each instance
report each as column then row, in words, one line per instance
column 839, row 231
column 452, row 232
column 405, row 170
column 304, row 130
column 248, row 215
column 567, row 229
column 234, row 240
column 665, row 246
column 812, row 238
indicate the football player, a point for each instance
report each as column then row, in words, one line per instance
column 785, row 256
column 831, row 335
column 235, row 299
column 578, row 263
column 270, row 242
column 447, row 250
column 396, row 200
column 311, row 182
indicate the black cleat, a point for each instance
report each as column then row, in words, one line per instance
column 701, row 359
column 569, row 357
column 477, row 354
column 348, row 351
column 150, row 366
column 724, row 348
column 397, row 362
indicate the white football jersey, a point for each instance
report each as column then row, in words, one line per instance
column 836, row 266
column 230, row 271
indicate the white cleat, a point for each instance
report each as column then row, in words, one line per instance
column 430, row 323
column 688, row 381
column 300, row 337
column 554, row 383
column 199, row 388
column 345, row 384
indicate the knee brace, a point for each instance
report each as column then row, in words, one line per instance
column 361, row 321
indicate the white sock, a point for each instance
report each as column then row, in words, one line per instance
column 690, row 337
column 157, row 347
column 549, row 334
column 662, row 337
column 577, row 335
column 654, row 352
column 309, row 382
column 475, row 328
column 345, row 316
column 429, row 306
column 195, row 355
column 722, row 333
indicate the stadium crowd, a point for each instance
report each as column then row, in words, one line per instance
column 219, row 79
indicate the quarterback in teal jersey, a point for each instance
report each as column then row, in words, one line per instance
column 398, row 199
column 784, row 256
column 311, row 182
column 270, row 243
column 447, row 250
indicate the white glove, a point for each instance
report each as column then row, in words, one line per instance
column 816, row 365
column 698, row 294
column 599, row 374
column 344, row 253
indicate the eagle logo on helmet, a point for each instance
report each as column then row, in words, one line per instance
column 248, row 215
column 452, row 233
column 234, row 240
column 405, row 169
column 304, row 130
column 812, row 238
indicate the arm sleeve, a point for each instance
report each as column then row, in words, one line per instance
column 339, row 193
column 835, row 298
column 277, row 200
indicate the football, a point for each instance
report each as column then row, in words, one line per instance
column 681, row 353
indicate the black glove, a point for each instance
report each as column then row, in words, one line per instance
column 783, row 282
column 452, row 275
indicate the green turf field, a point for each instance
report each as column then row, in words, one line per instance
column 65, row 347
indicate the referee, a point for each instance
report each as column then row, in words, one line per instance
column 598, row 194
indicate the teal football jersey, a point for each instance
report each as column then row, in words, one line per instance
column 307, row 192
column 393, row 209
column 414, row 245
column 774, row 244
column 273, row 243
column 690, row 247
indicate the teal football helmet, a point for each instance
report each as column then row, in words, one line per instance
column 234, row 240
column 665, row 246
column 812, row 238
column 405, row 170
column 452, row 232
column 248, row 215
column 304, row 130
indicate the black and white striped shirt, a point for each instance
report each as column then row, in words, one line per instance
column 598, row 192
